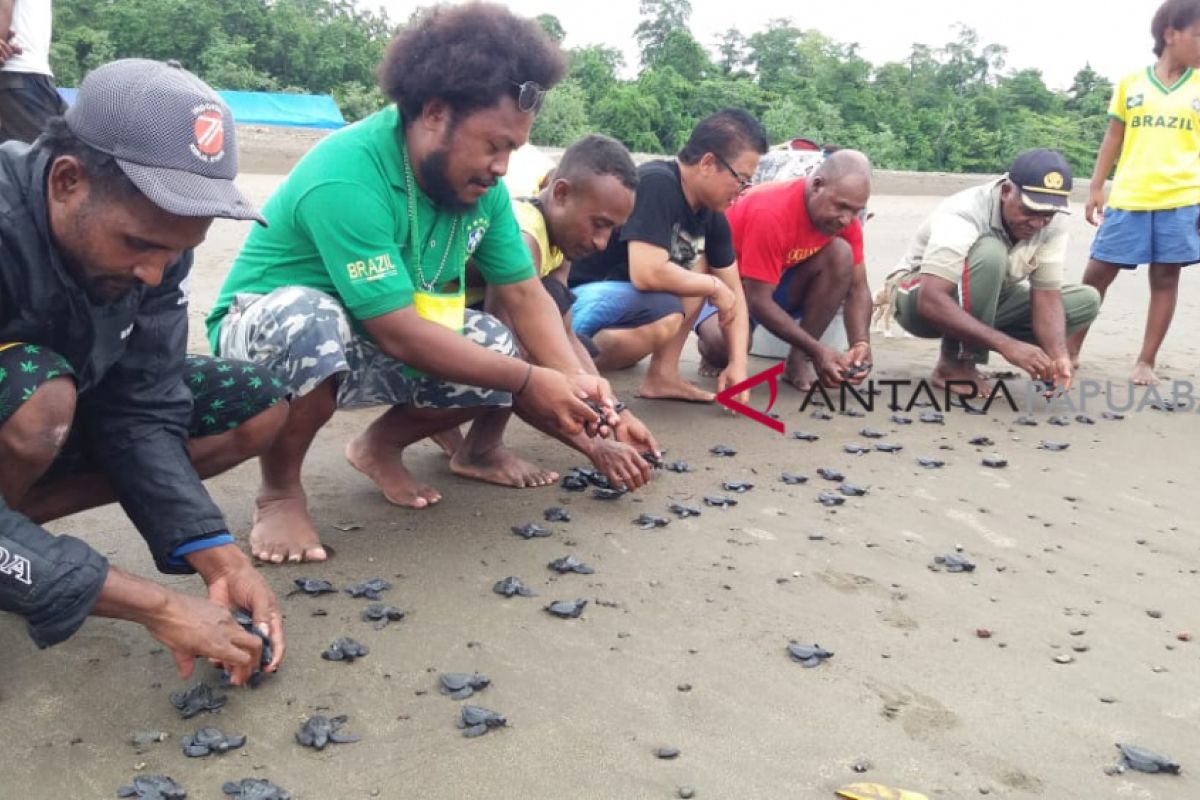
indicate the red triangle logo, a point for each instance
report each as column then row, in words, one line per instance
column 771, row 377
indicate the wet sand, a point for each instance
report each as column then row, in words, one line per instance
column 1088, row 540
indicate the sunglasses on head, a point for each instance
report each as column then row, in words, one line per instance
column 530, row 95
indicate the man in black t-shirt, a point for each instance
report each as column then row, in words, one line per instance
column 641, row 295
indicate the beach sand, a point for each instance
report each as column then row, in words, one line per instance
column 1074, row 550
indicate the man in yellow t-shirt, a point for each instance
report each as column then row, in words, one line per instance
column 1152, row 212
column 589, row 194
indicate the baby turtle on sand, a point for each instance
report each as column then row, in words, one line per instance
column 1143, row 760
column 856, row 449
column 652, row 459
column 995, row 462
column 381, row 615
column 953, row 562
column 1164, row 405
column 930, row 463
column 571, row 564
column 460, row 685
column 830, row 499
column 318, row 731
column 888, row 447
column 255, row 789
column 530, row 530
column 567, row 609
column 852, row 412
column 1084, row 419
column 900, row 419
column 1054, row 447
column 933, row 417
column 852, row 490
column 1112, row 416
column 513, row 586
column 1058, row 421
column 153, row 787
column 195, row 699
column 313, row 586
column 741, row 487
column 793, row 479
column 477, row 720
column 870, row 433
column 677, row 466
column 268, row 652
column 648, row 521
column 682, row 511
column 804, row 436
column 719, row 501
column 821, row 415
column 722, row 450
column 574, row 483
column 809, row 656
column 830, row 474
column 1026, row 420
column 345, row 650
column 206, row 741
column 607, row 494
column 369, row 589
column 982, row 441
column 556, row 514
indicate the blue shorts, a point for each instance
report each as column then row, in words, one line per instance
column 617, row 304
column 780, row 296
column 1130, row 238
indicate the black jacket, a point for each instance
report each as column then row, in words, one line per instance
column 132, row 404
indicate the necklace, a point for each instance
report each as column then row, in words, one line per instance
column 414, row 236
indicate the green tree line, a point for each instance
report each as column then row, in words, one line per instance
column 953, row 108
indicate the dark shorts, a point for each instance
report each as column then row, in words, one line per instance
column 562, row 296
column 617, row 304
column 1131, row 238
column 27, row 102
column 225, row 393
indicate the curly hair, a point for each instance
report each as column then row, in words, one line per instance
column 107, row 179
column 597, row 154
column 468, row 56
column 728, row 133
column 1172, row 15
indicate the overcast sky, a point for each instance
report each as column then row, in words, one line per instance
column 1056, row 36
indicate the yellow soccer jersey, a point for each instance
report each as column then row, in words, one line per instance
column 1159, row 165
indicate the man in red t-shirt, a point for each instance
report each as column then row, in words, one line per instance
column 799, row 248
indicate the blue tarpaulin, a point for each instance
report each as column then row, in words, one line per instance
column 272, row 108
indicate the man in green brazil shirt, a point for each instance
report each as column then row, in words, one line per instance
column 354, row 294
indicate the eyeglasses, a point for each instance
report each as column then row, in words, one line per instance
column 530, row 95
column 743, row 183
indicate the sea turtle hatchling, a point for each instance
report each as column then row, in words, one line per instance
column 830, row 499
column 477, row 720
column 1058, row 421
column 369, row 589
column 197, row 698
column 1084, row 419
column 381, row 615
column 995, row 462
column 888, row 447
column 856, row 449
column 1143, row 760
column 871, row 433
column 852, row 412
column 953, row 562
column 531, row 530
column 511, row 586
column 930, row 463
column 793, row 478
column 1026, row 420
column 567, row 609
column 1112, row 416
column 852, row 490
column 677, row 466
column 719, row 501
column 648, row 521
column 313, row 586
column 722, row 450
column 822, row 415
column 255, row 789
column 318, row 731
column 461, row 685
column 900, row 419
column 607, row 494
column 805, row 436
column 682, row 511
column 570, row 564
column 574, row 483
column 206, row 741
column 741, row 487
column 932, row 417
column 268, row 652
column 345, row 649
column 830, row 474
column 556, row 514
column 153, row 787
column 982, row 441
column 809, row 656
column 1054, row 447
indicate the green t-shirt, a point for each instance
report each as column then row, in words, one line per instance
column 339, row 223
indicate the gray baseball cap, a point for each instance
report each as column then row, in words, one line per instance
column 169, row 132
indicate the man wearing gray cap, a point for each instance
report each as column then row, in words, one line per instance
column 986, row 273
column 98, row 399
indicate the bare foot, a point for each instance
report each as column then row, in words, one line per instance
column 449, row 440
column 283, row 530
column 962, row 372
column 1143, row 375
column 800, row 373
column 707, row 370
column 385, row 468
column 673, row 388
column 501, row 466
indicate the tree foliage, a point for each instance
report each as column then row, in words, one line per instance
column 953, row 107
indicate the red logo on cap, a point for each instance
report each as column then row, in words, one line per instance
column 210, row 133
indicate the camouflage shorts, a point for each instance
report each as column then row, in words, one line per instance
column 305, row 336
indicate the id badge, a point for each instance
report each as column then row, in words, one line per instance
column 449, row 310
